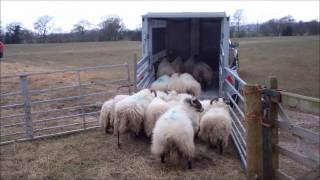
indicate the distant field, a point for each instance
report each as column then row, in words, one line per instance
column 294, row 60
column 64, row 55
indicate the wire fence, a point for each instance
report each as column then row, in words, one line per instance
column 44, row 104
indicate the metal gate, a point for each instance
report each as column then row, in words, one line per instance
column 44, row 104
column 235, row 95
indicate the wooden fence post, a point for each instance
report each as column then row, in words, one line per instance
column 26, row 106
column 273, row 114
column 135, row 73
column 270, row 136
column 253, row 108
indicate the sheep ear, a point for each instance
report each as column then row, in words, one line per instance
column 226, row 100
column 154, row 92
column 195, row 101
column 214, row 99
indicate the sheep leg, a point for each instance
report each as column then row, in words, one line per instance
column 220, row 146
column 119, row 145
column 162, row 157
column 189, row 164
column 107, row 127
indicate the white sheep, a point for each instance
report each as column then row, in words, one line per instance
column 165, row 68
column 176, row 84
column 129, row 113
column 207, row 104
column 106, row 114
column 215, row 125
column 177, row 64
column 190, row 85
column 161, row 84
column 155, row 109
column 203, row 73
column 174, row 133
column 189, row 64
column 159, row 106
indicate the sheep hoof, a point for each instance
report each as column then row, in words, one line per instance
column 189, row 164
column 119, row 146
column 162, row 158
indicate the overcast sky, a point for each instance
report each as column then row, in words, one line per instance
column 66, row 13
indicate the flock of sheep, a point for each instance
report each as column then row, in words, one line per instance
column 170, row 114
column 194, row 74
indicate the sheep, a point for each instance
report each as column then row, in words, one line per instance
column 203, row 73
column 189, row 64
column 190, row 84
column 165, row 68
column 161, row 84
column 176, row 84
column 174, row 133
column 207, row 104
column 159, row 106
column 215, row 125
column 177, row 64
column 106, row 113
column 129, row 113
column 155, row 109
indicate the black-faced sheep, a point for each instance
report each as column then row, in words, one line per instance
column 177, row 64
column 190, row 85
column 106, row 113
column 165, row 68
column 216, row 124
column 176, row 84
column 203, row 73
column 161, row 84
column 188, row 65
column 155, row 109
column 129, row 112
column 174, row 133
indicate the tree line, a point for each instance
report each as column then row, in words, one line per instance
column 112, row 28
column 285, row 26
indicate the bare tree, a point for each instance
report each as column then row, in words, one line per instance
column 43, row 25
column 111, row 28
column 13, row 34
column 238, row 18
column 80, row 28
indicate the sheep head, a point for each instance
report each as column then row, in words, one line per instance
column 194, row 103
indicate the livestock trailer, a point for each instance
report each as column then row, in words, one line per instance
column 205, row 34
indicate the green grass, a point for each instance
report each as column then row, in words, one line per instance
column 294, row 60
column 62, row 55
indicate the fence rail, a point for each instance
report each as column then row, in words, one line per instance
column 265, row 119
column 79, row 115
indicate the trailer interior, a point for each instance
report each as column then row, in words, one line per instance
column 186, row 37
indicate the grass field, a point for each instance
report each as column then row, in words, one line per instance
column 294, row 60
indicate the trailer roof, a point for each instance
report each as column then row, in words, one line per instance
column 185, row 15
